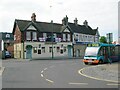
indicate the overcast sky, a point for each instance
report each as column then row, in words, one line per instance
column 98, row 13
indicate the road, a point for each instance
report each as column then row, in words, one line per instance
column 48, row 74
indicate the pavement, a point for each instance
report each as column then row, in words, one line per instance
column 1, row 70
column 104, row 72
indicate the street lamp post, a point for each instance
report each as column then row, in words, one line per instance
column 52, row 39
column 52, row 29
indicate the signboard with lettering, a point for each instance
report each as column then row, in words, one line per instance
column 93, row 45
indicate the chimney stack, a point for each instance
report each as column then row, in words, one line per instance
column 76, row 21
column 97, row 28
column 85, row 23
column 33, row 17
column 65, row 20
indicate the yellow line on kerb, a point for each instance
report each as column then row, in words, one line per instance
column 81, row 73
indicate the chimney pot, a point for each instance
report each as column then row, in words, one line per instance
column 85, row 23
column 76, row 21
column 33, row 17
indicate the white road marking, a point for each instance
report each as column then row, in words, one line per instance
column 49, row 80
column 42, row 71
column 79, row 83
column 45, row 68
column 41, row 75
column 44, row 77
column 81, row 73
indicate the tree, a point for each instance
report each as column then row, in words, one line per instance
column 103, row 39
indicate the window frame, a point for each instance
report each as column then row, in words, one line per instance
column 28, row 35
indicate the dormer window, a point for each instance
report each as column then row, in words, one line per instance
column 31, row 35
column 68, row 37
column 64, row 37
column 34, row 36
column 28, row 35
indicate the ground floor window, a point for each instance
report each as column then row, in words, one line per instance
column 39, row 51
column 58, row 49
column 43, row 49
column 64, row 49
column 61, row 51
column 35, row 49
column 50, row 49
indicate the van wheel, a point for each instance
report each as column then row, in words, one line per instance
column 100, row 61
column 86, row 63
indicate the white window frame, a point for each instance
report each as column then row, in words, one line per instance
column 34, row 35
column 64, row 37
column 28, row 35
column 44, row 35
column 55, row 36
column 68, row 37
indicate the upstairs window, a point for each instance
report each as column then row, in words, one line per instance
column 28, row 35
column 44, row 35
column 64, row 37
column 55, row 36
column 31, row 35
column 68, row 37
column 34, row 36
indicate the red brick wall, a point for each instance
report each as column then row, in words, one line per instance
column 17, row 35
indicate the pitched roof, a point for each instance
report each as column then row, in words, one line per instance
column 82, row 29
column 48, row 27
column 41, row 26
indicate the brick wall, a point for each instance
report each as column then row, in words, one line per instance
column 17, row 35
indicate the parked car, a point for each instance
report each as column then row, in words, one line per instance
column 7, row 54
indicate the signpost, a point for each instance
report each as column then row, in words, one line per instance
column 109, row 38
